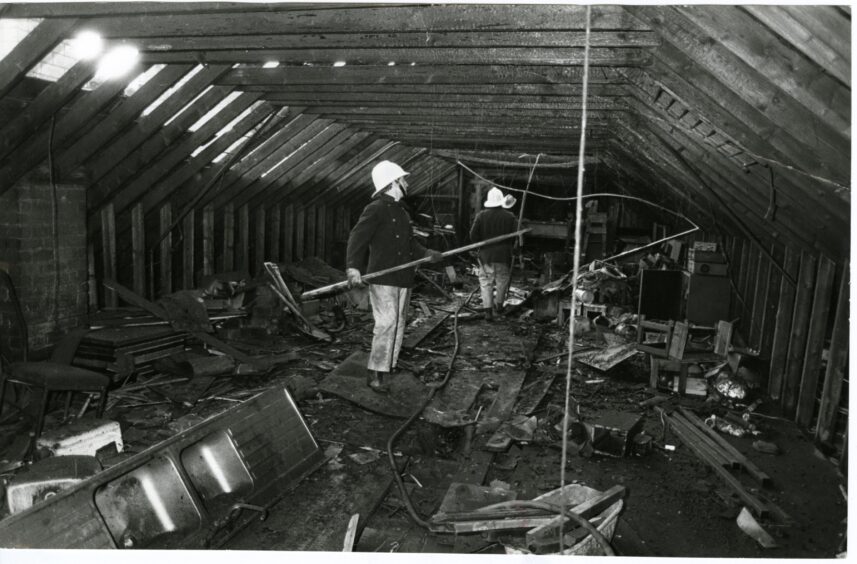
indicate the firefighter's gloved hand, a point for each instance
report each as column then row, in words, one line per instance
column 435, row 256
column 355, row 280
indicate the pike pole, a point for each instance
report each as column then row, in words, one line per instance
column 367, row 277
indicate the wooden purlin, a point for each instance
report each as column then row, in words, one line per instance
column 785, row 117
column 30, row 50
column 403, row 40
column 527, row 56
column 417, row 75
column 395, row 99
column 374, row 19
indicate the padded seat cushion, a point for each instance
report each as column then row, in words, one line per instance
column 54, row 376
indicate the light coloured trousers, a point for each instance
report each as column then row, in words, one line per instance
column 494, row 275
column 390, row 310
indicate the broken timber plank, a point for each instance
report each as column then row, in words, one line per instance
column 533, row 393
column 501, row 408
column 587, row 510
column 351, row 533
column 450, row 408
column 159, row 312
column 423, row 330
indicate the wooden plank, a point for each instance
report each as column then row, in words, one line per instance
column 260, row 251
column 40, row 110
column 501, row 408
column 759, row 301
column 165, row 251
column 273, row 243
column 541, row 56
column 108, row 251
column 228, row 237
column 406, row 40
column 782, row 111
column 820, row 48
column 783, row 325
column 420, row 74
column 188, row 236
column 816, row 335
column 32, row 49
column 772, row 294
column 138, row 250
column 288, row 232
column 799, row 331
column 827, row 99
column 374, row 19
column 300, row 233
column 837, row 363
column 207, row 240
column 242, row 251
column 485, row 89
column 119, row 117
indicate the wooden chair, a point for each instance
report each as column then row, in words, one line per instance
column 55, row 375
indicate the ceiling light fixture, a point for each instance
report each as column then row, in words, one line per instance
column 339, row 64
column 117, row 62
column 87, row 45
column 271, row 64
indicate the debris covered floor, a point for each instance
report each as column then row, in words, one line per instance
column 510, row 375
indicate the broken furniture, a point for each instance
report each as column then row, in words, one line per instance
column 125, row 351
column 193, row 490
column 611, row 432
column 50, row 377
column 82, row 437
column 679, row 356
column 661, row 294
column 707, row 298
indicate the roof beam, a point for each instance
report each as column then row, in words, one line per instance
column 486, row 101
column 366, row 90
column 112, row 9
column 388, row 19
column 488, row 56
column 400, row 40
column 420, row 74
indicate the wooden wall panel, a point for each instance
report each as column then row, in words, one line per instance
column 783, row 325
column 837, row 363
column 800, row 328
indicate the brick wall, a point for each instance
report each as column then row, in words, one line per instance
column 27, row 254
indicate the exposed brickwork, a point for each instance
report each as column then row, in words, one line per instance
column 27, row 253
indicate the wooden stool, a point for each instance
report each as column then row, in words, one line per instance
column 54, row 377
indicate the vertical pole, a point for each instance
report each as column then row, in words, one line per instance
column 208, row 240
column 288, row 233
column 138, row 249
column 166, row 251
column 274, row 214
column 259, row 251
column 837, row 364
column 228, row 237
column 243, row 250
column 188, row 281
column 300, row 233
column 108, row 251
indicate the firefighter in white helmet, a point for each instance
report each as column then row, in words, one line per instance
column 381, row 239
column 495, row 261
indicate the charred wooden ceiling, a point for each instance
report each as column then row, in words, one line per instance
column 738, row 115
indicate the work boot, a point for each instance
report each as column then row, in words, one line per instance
column 375, row 380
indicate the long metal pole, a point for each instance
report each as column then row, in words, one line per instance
column 366, row 277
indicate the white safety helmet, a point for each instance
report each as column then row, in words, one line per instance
column 495, row 198
column 385, row 172
column 509, row 201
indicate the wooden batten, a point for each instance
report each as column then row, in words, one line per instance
column 261, row 252
column 783, row 325
column 837, row 362
column 208, row 240
column 800, row 328
column 228, row 238
column 273, row 237
column 138, row 250
column 772, row 294
column 816, row 335
column 108, row 252
column 300, row 233
column 310, row 235
column 165, row 252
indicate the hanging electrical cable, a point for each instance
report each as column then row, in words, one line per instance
column 578, row 215
column 521, row 211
